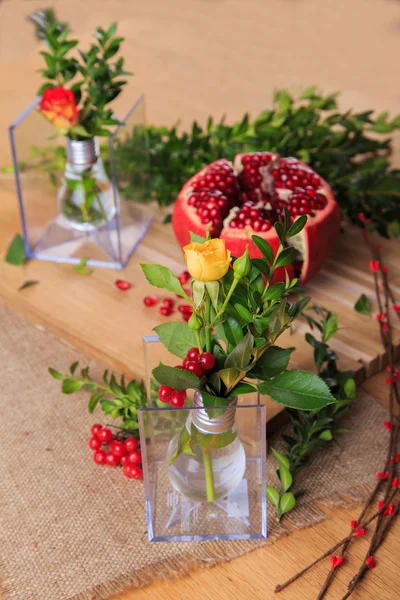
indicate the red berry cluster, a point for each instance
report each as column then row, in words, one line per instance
column 167, row 305
column 195, row 363
column 118, row 452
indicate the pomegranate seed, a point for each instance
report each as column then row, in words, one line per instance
column 165, row 311
column 184, row 308
column 150, row 300
column 123, row 285
column 168, row 302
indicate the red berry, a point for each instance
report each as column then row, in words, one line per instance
column 185, row 308
column 112, row 460
column 136, row 472
column 135, row 457
column 164, row 393
column 195, row 367
column 117, row 448
column 207, row 360
column 193, row 354
column 127, row 470
column 105, row 435
column 185, row 362
column 94, row 443
column 96, row 428
column 150, row 300
column 131, row 444
column 178, row 399
column 124, row 460
column 99, row 457
column 165, row 310
column 123, row 285
column 168, row 302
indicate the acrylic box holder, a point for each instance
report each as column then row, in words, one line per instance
column 174, row 492
column 39, row 163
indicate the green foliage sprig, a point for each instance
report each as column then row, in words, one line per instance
column 96, row 79
column 117, row 399
column 313, row 430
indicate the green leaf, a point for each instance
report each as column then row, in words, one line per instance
column 297, row 226
column 80, row 131
column 287, row 503
column 244, row 312
column 241, row 354
column 82, row 269
column 94, row 399
column 55, row 374
column 272, row 362
column 350, row 388
column 264, row 248
column 230, row 377
column 326, row 435
column 286, row 477
column 330, row 328
column 362, row 305
column 320, row 353
column 286, row 257
column 232, row 331
column 194, row 237
column 275, row 291
column 178, row 379
column 273, row 495
column 69, row 386
column 282, row 460
column 198, row 288
column 242, row 388
column 72, row 368
column 178, row 338
column 262, row 266
column 16, row 251
column 279, row 232
column 163, row 277
column 27, row 284
column 298, row 389
column 167, row 219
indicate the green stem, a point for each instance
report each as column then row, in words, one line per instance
column 198, row 338
column 224, row 305
column 208, row 318
column 210, row 489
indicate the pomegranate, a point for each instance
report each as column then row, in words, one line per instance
column 237, row 201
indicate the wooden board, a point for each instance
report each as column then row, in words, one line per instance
column 109, row 324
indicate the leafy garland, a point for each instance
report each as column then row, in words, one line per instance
column 345, row 148
column 313, row 430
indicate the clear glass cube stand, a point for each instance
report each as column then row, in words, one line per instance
column 173, row 508
column 39, row 163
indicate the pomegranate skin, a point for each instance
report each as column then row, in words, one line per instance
column 314, row 243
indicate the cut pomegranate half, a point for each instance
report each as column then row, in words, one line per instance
column 236, row 202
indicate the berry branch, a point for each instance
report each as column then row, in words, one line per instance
column 387, row 511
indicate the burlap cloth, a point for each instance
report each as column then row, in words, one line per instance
column 72, row 530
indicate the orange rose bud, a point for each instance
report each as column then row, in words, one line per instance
column 58, row 105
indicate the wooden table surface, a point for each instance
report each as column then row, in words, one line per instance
column 193, row 58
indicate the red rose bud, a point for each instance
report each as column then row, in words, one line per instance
column 387, row 425
column 379, row 475
column 381, row 504
column 364, row 233
column 395, row 483
column 378, row 246
column 58, row 105
column 361, row 216
column 370, row 562
column 391, row 460
column 123, row 285
column 336, row 561
column 396, row 308
column 388, row 380
column 397, row 457
column 384, row 269
column 358, row 532
column 353, row 523
column 388, row 368
column 374, row 266
column 385, row 327
column 386, row 475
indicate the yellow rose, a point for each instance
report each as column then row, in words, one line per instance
column 208, row 261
